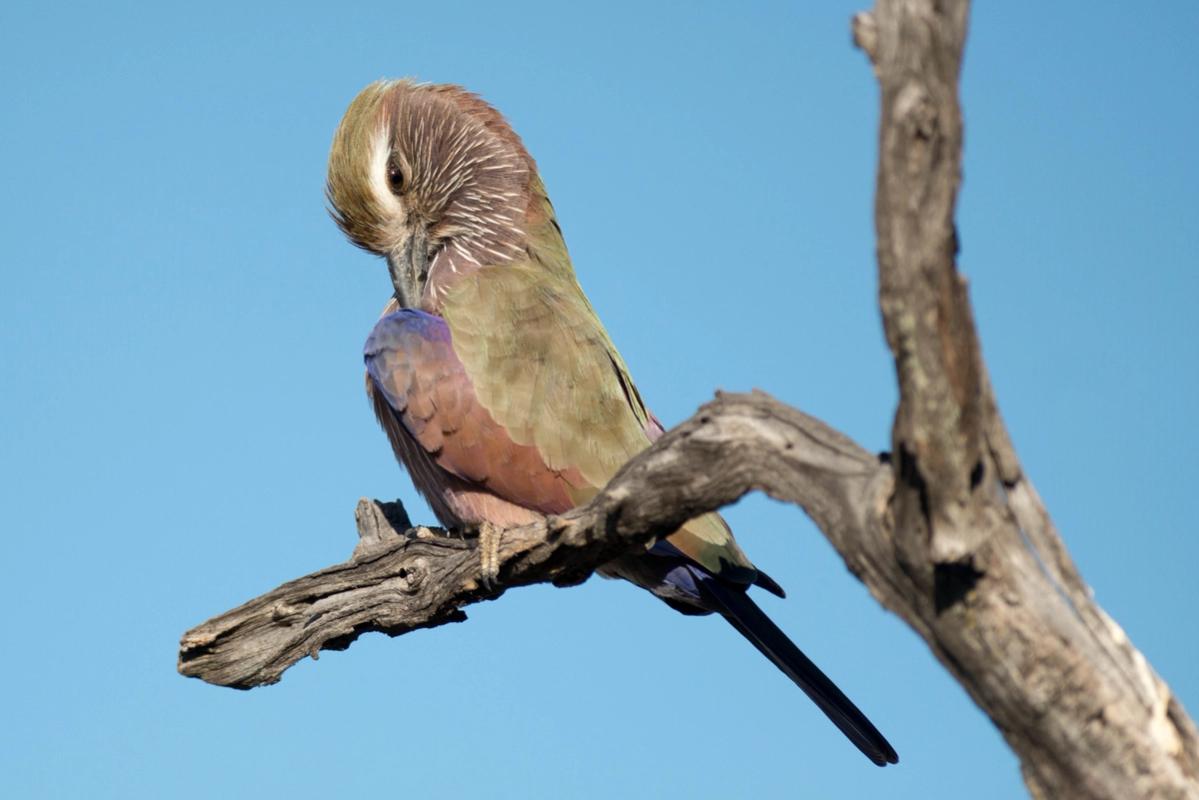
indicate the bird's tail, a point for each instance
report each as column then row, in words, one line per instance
column 743, row 614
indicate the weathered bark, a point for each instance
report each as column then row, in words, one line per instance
column 983, row 575
column 399, row 580
column 948, row 533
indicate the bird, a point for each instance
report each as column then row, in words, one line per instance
column 499, row 389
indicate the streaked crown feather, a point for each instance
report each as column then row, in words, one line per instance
column 465, row 173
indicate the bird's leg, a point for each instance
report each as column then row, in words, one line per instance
column 489, row 553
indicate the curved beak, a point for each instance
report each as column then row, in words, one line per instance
column 409, row 268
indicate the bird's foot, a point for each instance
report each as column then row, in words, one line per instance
column 489, row 554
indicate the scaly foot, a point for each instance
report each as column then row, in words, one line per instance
column 489, row 553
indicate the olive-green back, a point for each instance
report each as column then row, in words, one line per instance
column 544, row 367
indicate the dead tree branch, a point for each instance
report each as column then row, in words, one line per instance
column 400, row 579
column 949, row 533
column 983, row 575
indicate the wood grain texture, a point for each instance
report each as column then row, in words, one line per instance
column 401, row 578
column 982, row 574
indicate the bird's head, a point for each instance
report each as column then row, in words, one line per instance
column 433, row 179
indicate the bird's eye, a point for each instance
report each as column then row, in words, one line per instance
column 395, row 177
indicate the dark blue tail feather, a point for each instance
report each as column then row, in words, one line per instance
column 751, row 622
column 691, row 589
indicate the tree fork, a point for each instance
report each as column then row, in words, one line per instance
column 948, row 532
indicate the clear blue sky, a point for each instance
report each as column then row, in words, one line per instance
column 184, row 426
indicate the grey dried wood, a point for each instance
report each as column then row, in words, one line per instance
column 948, row 533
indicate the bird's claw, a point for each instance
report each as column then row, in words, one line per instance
column 489, row 554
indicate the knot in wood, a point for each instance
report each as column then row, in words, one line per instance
column 411, row 578
column 286, row 614
column 916, row 112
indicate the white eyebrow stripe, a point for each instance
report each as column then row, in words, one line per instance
column 380, row 154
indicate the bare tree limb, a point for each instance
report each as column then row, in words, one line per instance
column 400, row 580
column 948, row 533
column 988, row 581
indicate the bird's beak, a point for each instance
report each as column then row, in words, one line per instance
column 409, row 268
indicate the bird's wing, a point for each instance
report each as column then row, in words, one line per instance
column 543, row 366
column 545, row 370
column 410, row 362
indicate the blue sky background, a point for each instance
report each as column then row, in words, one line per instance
column 183, row 425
